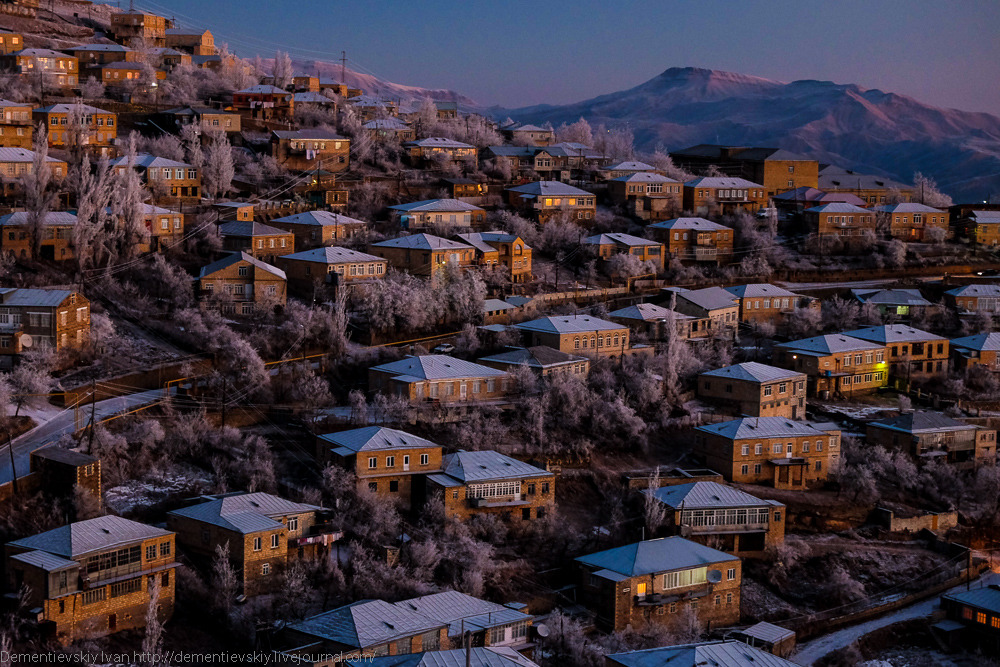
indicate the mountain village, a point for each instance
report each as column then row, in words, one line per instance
column 297, row 369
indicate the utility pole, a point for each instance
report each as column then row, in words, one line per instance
column 93, row 411
column 13, row 472
column 223, row 401
column 343, row 70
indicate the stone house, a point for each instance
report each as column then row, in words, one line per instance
column 695, row 239
column 439, row 379
column 241, row 284
column 756, row 390
column 933, row 435
column 837, row 364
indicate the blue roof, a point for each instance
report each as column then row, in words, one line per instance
column 653, row 556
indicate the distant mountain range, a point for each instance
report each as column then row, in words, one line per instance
column 844, row 124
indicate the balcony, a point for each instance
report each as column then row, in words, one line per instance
column 706, row 254
column 499, row 501
column 659, row 599
column 724, row 529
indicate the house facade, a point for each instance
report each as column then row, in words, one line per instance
column 605, row 246
column 695, row 239
column 978, row 350
column 97, row 131
column 423, row 254
column 543, row 200
column 756, row 390
column 306, row 150
column 55, row 244
column 166, row 179
column 843, row 220
column 913, row 355
column 913, row 222
column 256, row 239
column 15, row 124
column 647, row 195
column 240, row 284
column 53, row 318
column 933, row 435
column 763, row 302
column 718, row 195
column 578, row 335
column 438, row 213
column 439, row 379
column 332, row 265
column 836, row 364
column 496, row 249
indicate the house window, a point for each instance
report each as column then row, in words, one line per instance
column 293, row 524
column 151, row 552
column 265, row 569
column 372, row 462
column 373, row 486
column 424, row 459
column 274, row 540
column 165, row 549
column 256, row 544
column 745, row 469
column 731, row 574
column 746, row 450
column 390, row 462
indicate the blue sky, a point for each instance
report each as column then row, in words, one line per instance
column 517, row 53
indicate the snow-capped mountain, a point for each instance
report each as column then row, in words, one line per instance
column 863, row 129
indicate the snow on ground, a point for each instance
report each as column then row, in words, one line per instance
column 42, row 412
column 862, row 412
column 139, row 493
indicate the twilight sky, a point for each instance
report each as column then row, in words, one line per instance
column 519, row 52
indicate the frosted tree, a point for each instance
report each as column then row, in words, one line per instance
column 191, row 142
column 224, row 579
column 427, row 118
column 282, row 70
column 925, row 191
column 661, row 160
column 152, row 640
column 93, row 197
column 128, row 208
column 219, row 168
column 30, row 382
column 39, row 195
column 654, row 511
column 579, row 132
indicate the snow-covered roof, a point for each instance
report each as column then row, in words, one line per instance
column 550, row 189
column 422, row 242
column 698, row 224
column 655, row 556
column 568, row 324
column 372, row 438
column 617, row 238
column 436, row 205
column 437, row 367
column 721, row 182
column 762, row 427
column 752, row 371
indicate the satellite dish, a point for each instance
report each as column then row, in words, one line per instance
column 542, row 630
column 714, row 576
column 26, row 340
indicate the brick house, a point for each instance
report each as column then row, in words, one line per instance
column 97, row 133
column 981, row 227
column 578, row 334
column 647, row 195
column 627, row 168
column 731, row 653
column 206, row 119
column 899, row 303
column 166, row 179
column 436, row 213
column 970, row 299
column 196, row 42
column 843, row 220
column 763, row 302
column 54, row 318
column 776, row 168
column 542, row 360
column 165, row 227
column 132, row 25
column 368, row 107
column 331, row 265
column 431, row 149
column 265, row 534
column 529, row 135
column 653, row 320
column 488, row 482
column 440, row 379
column 727, row 518
column 18, row 162
column 793, row 202
column 130, row 77
column 911, row 222
column 241, row 284
column 263, row 102
column 495, row 249
column 61, row 471
column 256, row 239
column 308, row 150
column 913, row 355
column 977, row 613
column 719, row 307
column 15, row 125
column 837, row 364
column 978, row 350
column 543, row 200
column 720, row 195
column 872, row 189
column 91, row 57
column 605, row 246
column 695, row 239
column 384, row 461
column 93, row 578
column 55, row 69
column 934, row 435
column 57, row 235
column 315, row 229
column 383, row 129
column 756, row 390
column 423, row 254
column 491, row 625
column 652, row 581
column 755, row 450
column 10, row 41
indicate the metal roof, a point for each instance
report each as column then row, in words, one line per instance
column 755, row 290
column 146, row 160
column 391, row 123
column 922, row 421
column 438, row 142
column 568, row 324
column 747, row 428
column 985, row 291
column 550, row 189
column 695, row 495
column 654, row 556
column 431, row 205
column 478, row 656
column 979, row 342
column 715, row 654
column 239, row 257
column 837, row 207
column 907, row 207
column 491, row 305
column 30, row 296
column 311, row 133
column 262, row 89
column 645, row 177
column 249, row 228
column 332, row 255
column 689, row 223
column 318, row 218
column 116, row 48
column 437, row 367
column 891, row 297
column 460, row 611
column 721, row 182
column 366, row 623
column 828, row 344
column 423, row 242
column 768, row 632
column 376, row 438
column 752, row 371
column 647, row 312
column 987, row 598
column 80, row 538
column 44, row 561
column 482, row 240
column 987, row 217
column 18, row 218
column 617, row 238
column 629, row 165
column 837, row 178
column 709, row 298
column 539, row 356
column 486, row 465
column 893, row 333
column 244, row 513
